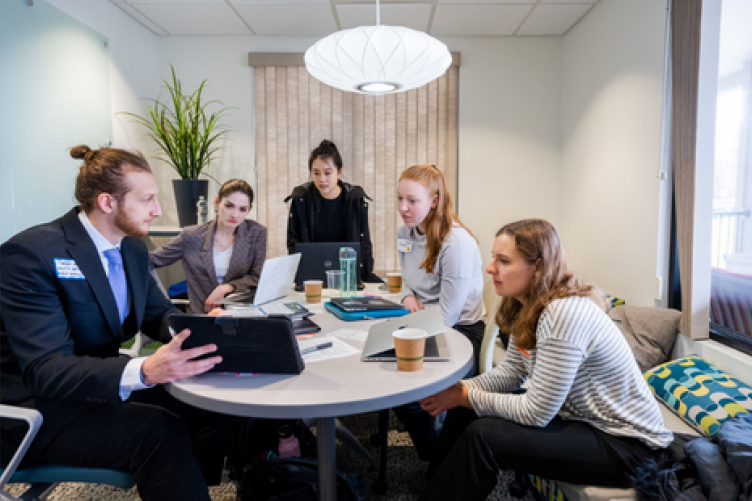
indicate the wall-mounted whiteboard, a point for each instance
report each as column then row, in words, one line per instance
column 54, row 94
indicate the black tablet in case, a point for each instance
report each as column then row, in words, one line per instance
column 265, row 345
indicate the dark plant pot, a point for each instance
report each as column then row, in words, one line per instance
column 187, row 192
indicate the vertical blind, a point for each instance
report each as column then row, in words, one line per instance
column 377, row 136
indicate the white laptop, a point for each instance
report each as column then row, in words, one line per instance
column 379, row 345
column 276, row 281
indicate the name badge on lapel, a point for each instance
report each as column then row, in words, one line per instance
column 404, row 245
column 67, row 269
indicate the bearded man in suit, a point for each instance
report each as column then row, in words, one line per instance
column 71, row 291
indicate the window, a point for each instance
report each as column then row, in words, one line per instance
column 731, row 238
column 725, row 72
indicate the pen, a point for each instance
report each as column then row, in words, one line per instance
column 321, row 346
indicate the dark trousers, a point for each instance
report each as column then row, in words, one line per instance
column 419, row 423
column 472, row 450
column 172, row 449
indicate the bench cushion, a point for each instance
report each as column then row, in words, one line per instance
column 700, row 393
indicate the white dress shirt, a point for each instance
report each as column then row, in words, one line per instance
column 131, row 379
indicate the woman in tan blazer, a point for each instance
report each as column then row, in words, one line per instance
column 220, row 256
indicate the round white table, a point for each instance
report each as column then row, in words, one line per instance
column 327, row 389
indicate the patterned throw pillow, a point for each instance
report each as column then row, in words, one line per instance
column 700, row 393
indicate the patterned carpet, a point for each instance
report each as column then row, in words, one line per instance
column 404, row 477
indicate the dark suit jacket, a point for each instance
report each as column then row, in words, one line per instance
column 59, row 338
column 195, row 246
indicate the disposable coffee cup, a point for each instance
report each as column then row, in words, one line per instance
column 313, row 290
column 394, row 282
column 410, row 347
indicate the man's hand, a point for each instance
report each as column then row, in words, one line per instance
column 217, row 294
column 412, row 304
column 171, row 362
column 454, row 396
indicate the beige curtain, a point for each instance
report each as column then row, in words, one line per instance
column 377, row 136
column 685, row 56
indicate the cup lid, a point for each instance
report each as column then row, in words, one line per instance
column 410, row 333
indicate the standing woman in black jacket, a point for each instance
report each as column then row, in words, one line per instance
column 326, row 209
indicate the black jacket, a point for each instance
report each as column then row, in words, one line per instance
column 300, row 225
column 718, row 468
column 59, row 336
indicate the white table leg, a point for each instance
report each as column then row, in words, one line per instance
column 327, row 446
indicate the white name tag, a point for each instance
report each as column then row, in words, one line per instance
column 404, row 245
column 67, row 269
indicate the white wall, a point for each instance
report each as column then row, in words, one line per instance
column 54, row 94
column 508, row 132
column 612, row 92
column 134, row 72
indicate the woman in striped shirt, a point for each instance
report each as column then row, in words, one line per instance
column 586, row 416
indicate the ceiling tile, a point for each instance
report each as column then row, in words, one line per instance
column 478, row 20
column 195, row 19
column 494, row 2
column 552, row 19
column 279, row 2
column 289, row 20
column 135, row 14
column 415, row 16
column 571, row 2
column 176, row 2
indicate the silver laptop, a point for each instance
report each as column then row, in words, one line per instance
column 276, row 281
column 380, row 344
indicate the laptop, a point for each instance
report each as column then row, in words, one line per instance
column 316, row 258
column 379, row 345
column 275, row 282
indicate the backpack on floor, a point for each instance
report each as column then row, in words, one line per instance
column 253, row 438
column 294, row 479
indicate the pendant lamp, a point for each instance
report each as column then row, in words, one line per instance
column 377, row 59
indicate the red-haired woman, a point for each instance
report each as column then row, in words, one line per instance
column 587, row 416
column 441, row 265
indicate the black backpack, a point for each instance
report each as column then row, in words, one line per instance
column 294, row 479
column 254, row 438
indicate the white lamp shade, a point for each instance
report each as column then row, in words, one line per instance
column 405, row 58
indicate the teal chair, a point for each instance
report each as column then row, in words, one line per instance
column 43, row 478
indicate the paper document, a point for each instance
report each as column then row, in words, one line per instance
column 352, row 334
column 339, row 349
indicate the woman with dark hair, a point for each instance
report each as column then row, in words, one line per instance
column 327, row 209
column 586, row 416
column 220, row 256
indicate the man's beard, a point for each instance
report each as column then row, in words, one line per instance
column 128, row 225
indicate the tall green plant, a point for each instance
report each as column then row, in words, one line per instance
column 184, row 130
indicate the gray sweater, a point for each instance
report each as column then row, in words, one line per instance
column 456, row 283
column 581, row 369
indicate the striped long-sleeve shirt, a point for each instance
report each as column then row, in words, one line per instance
column 581, row 369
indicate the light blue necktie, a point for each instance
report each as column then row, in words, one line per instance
column 117, row 280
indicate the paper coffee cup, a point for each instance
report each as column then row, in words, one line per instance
column 410, row 347
column 394, row 282
column 313, row 290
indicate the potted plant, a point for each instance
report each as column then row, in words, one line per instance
column 188, row 135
